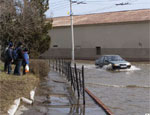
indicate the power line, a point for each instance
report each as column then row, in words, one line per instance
column 142, row 3
column 91, row 2
column 58, row 2
column 100, row 4
column 58, row 6
column 98, row 1
column 110, row 1
column 99, row 9
column 108, row 4
column 122, row 3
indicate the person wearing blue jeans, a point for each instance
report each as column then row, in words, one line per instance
column 19, row 59
column 18, row 67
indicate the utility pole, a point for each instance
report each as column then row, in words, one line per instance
column 72, row 31
column 71, row 23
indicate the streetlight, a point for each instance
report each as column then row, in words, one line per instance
column 72, row 30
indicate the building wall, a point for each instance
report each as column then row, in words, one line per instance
column 130, row 40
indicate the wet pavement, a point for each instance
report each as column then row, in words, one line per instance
column 54, row 96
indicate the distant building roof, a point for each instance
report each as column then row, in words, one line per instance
column 103, row 18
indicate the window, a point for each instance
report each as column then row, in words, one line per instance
column 55, row 46
column 78, row 47
column 105, row 59
column 98, row 50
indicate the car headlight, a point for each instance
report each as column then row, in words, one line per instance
column 128, row 63
column 116, row 64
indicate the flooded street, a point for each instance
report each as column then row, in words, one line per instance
column 54, row 96
column 125, row 92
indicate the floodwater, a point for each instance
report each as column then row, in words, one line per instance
column 125, row 92
column 55, row 97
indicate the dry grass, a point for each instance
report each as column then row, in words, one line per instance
column 13, row 87
column 39, row 67
column 1, row 66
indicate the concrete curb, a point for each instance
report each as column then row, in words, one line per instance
column 14, row 107
column 32, row 94
column 99, row 102
column 16, row 104
column 28, row 101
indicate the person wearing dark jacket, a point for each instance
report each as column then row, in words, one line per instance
column 9, row 57
column 5, row 57
column 19, row 59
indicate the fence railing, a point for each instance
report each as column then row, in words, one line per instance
column 73, row 74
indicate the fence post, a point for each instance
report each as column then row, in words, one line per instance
column 49, row 63
column 80, row 85
column 56, row 64
column 71, row 74
column 77, row 81
column 83, row 85
column 53, row 63
column 63, row 66
column 59, row 65
column 68, row 67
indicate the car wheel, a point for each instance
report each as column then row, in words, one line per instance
column 129, row 67
column 113, row 67
column 100, row 66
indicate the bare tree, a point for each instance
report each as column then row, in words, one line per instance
column 24, row 20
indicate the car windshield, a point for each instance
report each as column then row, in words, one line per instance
column 115, row 58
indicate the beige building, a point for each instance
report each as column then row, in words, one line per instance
column 125, row 33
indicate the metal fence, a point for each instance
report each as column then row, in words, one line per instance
column 73, row 74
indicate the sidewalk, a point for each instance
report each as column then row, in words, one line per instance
column 55, row 97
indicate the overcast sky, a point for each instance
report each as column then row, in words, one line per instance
column 59, row 8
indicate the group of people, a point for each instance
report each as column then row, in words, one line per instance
column 18, row 56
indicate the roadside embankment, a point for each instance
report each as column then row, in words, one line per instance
column 13, row 87
column 39, row 67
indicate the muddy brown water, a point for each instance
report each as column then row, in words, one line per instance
column 125, row 92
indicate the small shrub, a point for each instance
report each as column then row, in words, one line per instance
column 39, row 67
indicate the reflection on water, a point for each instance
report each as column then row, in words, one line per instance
column 125, row 92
